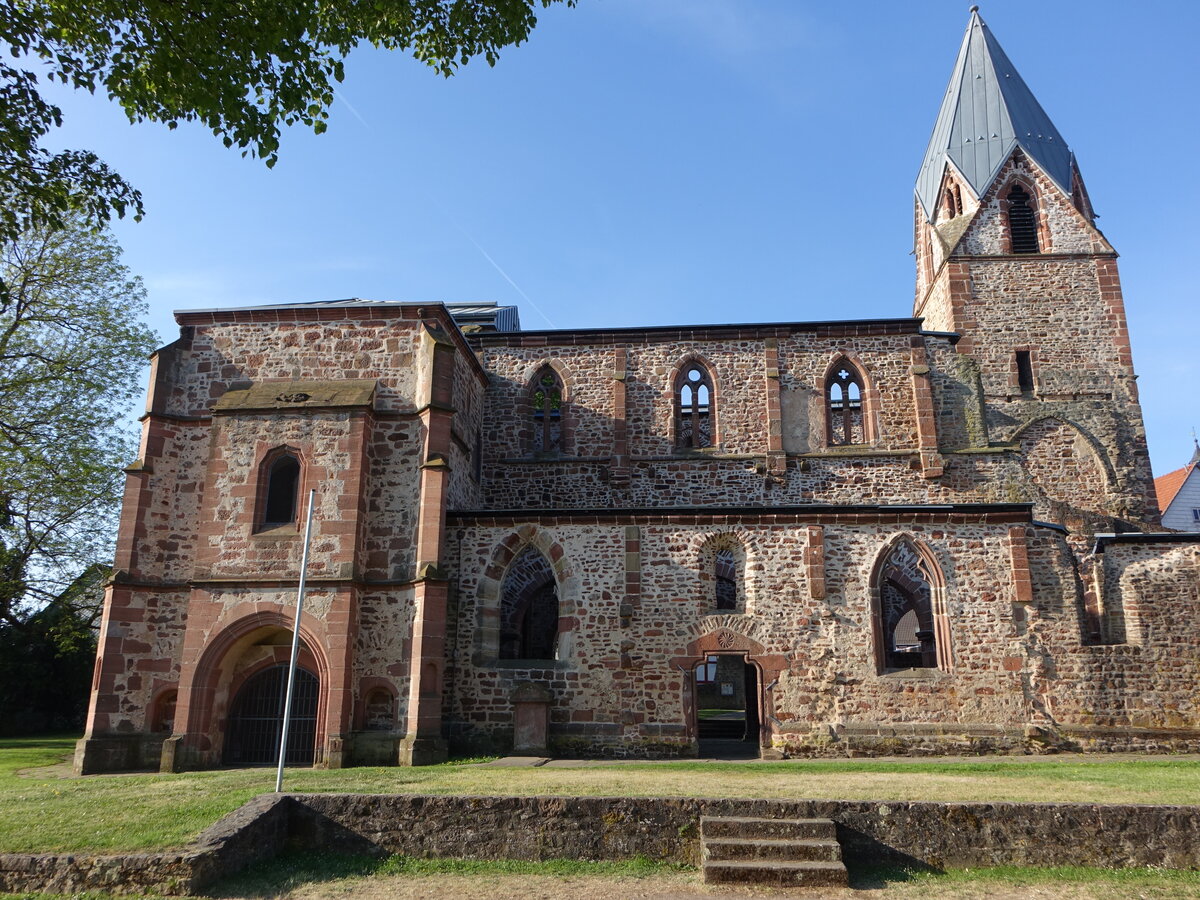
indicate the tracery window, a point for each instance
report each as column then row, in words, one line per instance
column 529, row 608
column 912, row 632
column 844, row 395
column 1022, row 221
column 282, row 490
column 694, row 407
column 546, row 403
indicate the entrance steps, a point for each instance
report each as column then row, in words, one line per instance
column 744, row 850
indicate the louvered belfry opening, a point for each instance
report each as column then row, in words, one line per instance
column 1022, row 221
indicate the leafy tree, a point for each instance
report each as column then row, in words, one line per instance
column 71, row 352
column 46, row 661
column 242, row 69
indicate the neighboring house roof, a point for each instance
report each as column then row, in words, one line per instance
column 1167, row 486
column 987, row 111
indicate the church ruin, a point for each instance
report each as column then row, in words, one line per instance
column 924, row 534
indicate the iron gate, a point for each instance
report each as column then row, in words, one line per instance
column 257, row 718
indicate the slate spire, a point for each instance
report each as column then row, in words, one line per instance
column 987, row 111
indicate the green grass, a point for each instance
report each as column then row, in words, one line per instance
column 41, row 810
column 443, row 876
column 1009, row 881
column 292, row 870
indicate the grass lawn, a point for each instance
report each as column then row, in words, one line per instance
column 40, row 809
column 313, row 876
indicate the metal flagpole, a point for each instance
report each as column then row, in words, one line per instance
column 291, row 682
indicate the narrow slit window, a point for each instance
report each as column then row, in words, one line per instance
column 1022, row 221
column 283, row 486
column 1025, row 371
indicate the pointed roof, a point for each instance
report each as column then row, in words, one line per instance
column 1167, row 486
column 987, row 111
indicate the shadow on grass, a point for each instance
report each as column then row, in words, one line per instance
column 291, row 870
column 294, row 869
column 879, row 877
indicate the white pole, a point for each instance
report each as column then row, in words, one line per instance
column 291, row 682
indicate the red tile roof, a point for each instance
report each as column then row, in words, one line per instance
column 1167, row 486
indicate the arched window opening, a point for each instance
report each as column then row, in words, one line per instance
column 906, row 612
column 953, row 199
column 529, row 608
column 283, row 487
column 547, row 405
column 379, row 710
column 163, row 719
column 844, row 390
column 694, row 408
column 726, row 575
column 1022, row 221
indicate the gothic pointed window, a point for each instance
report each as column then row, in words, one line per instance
column 529, row 608
column 1022, row 221
column 546, row 403
column 910, row 624
column 694, row 407
column 844, row 396
column 282, row 490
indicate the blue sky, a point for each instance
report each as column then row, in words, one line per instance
column 646, row 162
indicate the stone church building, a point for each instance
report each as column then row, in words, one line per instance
column 925, row 534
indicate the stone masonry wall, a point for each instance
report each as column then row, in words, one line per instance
column 1151, row 592
column 618, row 685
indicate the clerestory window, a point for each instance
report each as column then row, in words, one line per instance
column 546, row 404
column 844, row 396
column 694, row 407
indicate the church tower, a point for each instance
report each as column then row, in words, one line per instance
column 1009, row 257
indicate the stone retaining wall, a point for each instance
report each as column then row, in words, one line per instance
column 255, row 832
column 933, row 834
column 599, row 828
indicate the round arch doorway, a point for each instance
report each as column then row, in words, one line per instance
column 256, row 720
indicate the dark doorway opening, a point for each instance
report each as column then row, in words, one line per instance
column 256, row 720
column 726, row 692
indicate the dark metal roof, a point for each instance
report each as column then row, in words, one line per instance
column 988, row 110
column 487, row 316
column 1138, row 537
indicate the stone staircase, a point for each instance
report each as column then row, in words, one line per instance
column 740, row 849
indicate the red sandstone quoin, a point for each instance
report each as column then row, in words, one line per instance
column 924, row 534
